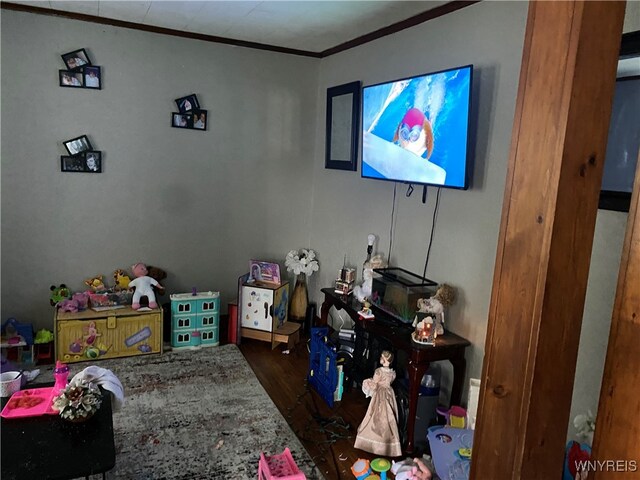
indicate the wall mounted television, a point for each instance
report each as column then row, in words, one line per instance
column 416, row 130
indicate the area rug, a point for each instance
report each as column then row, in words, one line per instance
column 195, row 415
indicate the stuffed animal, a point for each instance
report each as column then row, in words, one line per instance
column 362, row 292
column 411, row 469
column 143, row 285
column 77, row 303
column 122, row 279
column 158, row 274
column 95, row 283
column 58, row 294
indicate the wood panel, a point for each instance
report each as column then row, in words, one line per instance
column 617, row 424
column 553, row 181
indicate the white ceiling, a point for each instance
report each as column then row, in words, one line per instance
column 303, row 25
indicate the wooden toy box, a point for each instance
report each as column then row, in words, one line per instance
column 92, row 335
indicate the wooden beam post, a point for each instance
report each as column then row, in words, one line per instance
column 553, row 180
column 617, row 436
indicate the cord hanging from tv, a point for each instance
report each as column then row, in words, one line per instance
column 415, row 130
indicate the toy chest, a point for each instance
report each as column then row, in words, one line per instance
column 279, row 467
column 91, row 335
column 195, row 320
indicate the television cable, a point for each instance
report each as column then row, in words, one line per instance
column 393, row 210
column 433, row 228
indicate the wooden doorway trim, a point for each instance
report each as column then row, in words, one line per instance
column 617, row 426
column 551, row 196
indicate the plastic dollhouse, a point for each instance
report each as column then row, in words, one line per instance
column 195, row 320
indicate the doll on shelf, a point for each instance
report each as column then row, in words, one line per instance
column 378, row 432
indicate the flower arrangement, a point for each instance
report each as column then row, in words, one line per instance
column 78, row 401
column 303, row 261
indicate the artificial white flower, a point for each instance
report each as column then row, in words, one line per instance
column 301, row 262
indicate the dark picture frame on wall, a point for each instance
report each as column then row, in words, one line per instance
column 92, row 77
column 188, row 103
column 92, row 161
column 76, row 59
column 78, row 145
column 85, row 162
column 194, row 120
column 342, row 126
column 71, row 79
column 72, row 163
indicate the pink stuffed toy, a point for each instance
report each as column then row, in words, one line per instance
column 143, row 285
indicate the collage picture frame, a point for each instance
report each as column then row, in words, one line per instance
column 80, row 72
column 189, row 115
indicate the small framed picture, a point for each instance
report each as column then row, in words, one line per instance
column 182, row 120
column 92, row 77
column 200, row 119
column 188, row 103
column 71, row 79
column 76, row 59
column 73, row 163
column 92, row 161
column 78, row 145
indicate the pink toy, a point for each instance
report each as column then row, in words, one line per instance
column 280, row 467
column 143, row 285
column 77, row 303
column 409, row 469
column 455, row 416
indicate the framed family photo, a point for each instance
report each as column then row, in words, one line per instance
column 188, row 103
column 71, row 79
column 195, row 120
column 78, row 145
column 88, row 162
column 76, row 59
column 92, row 77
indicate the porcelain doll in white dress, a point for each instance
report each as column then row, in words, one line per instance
column 378, row 432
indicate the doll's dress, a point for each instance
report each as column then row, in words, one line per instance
column 378, row 432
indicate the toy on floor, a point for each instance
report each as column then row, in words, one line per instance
column 381, row 466
column 279, row 467
column 361, row 469
column 143, row 285
column 411, row 469
column 455, row 416
column 378, row 432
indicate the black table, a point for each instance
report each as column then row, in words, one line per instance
column 48, row 447
column 388, row 332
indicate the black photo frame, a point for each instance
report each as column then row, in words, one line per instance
column 92, row 161
column 76, row 60
column 78, row 145
column 72, row 163
column 342, row 131
column 200, row 119
column 92, row 77
column 181, row 120
column 188, row 103
column 71, row 78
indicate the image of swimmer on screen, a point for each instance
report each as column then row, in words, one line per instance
column 414, row 130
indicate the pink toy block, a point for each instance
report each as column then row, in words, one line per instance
column 280, row 467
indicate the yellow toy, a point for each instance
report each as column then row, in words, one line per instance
column 95, row 283
column 121, row 278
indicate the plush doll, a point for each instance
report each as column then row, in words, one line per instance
column 122, row 279
column 95, row 283
column 59, row 294
column 409, row 469
column 143, row 285
column 364, row 291
column 158, row 275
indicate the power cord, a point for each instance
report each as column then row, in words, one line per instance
column 433, row 227
column 393, row 209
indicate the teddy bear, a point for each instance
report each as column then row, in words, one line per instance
column 158, row 274
column 411, row 469
column 143, row 285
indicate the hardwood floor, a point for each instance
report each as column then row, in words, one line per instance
column 327, row 434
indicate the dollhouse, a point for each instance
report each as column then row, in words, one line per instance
column 195, row 320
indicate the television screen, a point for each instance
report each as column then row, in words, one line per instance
column 415, row 130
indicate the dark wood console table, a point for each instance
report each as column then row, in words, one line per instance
column 448, row 347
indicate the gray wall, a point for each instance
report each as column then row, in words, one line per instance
column 200, row 205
